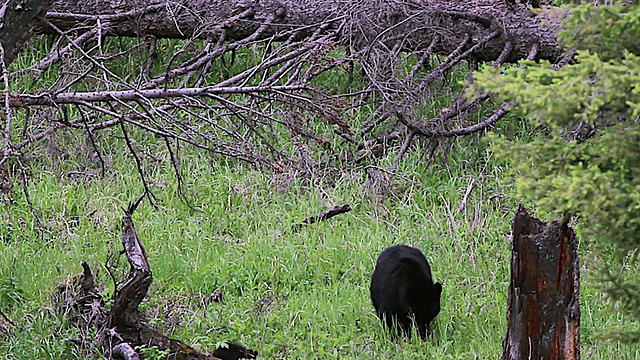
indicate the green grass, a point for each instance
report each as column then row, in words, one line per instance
column 288, row 295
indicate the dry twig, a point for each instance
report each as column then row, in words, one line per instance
column 327, row 214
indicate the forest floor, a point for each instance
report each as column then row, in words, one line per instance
column 289, row 295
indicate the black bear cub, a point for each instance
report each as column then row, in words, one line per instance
column 402, row 290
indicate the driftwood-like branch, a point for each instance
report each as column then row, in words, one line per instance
column 497, row 115
column 23, row 100
column 122, row 328
column 327, row 214
column 125, row 320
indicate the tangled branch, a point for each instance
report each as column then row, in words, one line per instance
column 264, row 85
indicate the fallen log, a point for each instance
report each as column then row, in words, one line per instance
column 238, row 19
column 325, row 215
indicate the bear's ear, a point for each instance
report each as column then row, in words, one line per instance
column 438, row 288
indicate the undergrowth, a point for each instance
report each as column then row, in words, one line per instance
column 288, row 295
column 285, row 294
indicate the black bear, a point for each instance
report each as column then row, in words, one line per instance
column 402, row 290
column 234, row 351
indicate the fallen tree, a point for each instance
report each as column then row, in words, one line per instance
column 500, row 24
column 248, row 80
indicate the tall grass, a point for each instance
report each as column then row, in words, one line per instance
column 289, row 295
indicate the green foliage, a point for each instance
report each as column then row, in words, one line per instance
column 153, row 353
column 287, row 295
column 609, row 31
column 590, row 91
column 597, row 180
column 10, row 294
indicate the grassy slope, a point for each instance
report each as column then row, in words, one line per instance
column 289, row 296
column 302, row 295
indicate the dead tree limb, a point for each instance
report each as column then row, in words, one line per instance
column 249, row 80
column 325, row 215
column 137, row 95
column 122, row 328
column 125, row 321
column 543, row 304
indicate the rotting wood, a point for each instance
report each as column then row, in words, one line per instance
column 543, row 313
column 121, row 328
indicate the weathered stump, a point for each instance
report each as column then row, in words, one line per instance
column 543, row 305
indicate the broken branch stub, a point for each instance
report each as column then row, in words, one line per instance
column 543, row 313
column 125, row 320
column 121, row 328
column 129, row 297
column 325, row 215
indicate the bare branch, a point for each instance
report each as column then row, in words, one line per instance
column 143, row 178
column 336, row 210
column 23, row 100
column 497, row 115
column 508, row 47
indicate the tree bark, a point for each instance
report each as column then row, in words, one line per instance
column 18, row 19
column 543, row 305
column 516, row 26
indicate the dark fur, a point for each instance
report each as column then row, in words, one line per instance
column 402, row 289
column 234, row 351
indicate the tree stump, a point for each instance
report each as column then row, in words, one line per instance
column 543, row 313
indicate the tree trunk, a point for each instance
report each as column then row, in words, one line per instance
column 18, row 18
column 516, row 26
column 543, row 306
